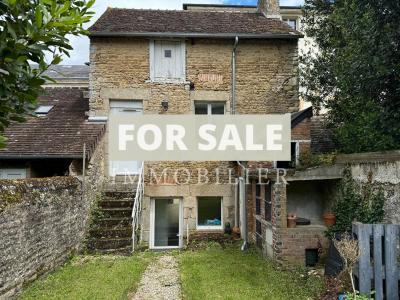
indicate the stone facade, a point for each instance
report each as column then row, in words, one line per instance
column 266, row 82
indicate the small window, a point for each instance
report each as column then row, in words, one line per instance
column 258, row 199
column 43, row 109
column 292, row 23
column 294, row 149
column 168, row 53
column 268, row 202
column 209, row 213
column 212, row 108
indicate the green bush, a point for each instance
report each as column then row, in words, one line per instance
column 354, row 203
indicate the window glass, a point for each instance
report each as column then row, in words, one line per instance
column 258, row 199
column 268, row 202
column 289, row 164
column 211, row 108
column 201, row 109
column 217, row 108
column 209, row 211
column 168, row 53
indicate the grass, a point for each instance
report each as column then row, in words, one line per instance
column 211, row 273
column 216, row 273
column 91, row 277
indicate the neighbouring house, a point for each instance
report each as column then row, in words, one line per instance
column 52, row 142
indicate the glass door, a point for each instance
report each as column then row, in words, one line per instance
column 166, row 216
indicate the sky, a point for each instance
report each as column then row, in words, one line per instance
column 80, row 54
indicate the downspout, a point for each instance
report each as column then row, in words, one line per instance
column 243, row 193
column 233, row 92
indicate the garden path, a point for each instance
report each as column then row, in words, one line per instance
column 160, row 281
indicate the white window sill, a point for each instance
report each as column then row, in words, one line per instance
column 168, row 81
column 209, row 228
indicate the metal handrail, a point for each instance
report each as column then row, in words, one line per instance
column 137, row 205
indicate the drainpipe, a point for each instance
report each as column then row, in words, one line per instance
column 233, row 92
column 242, row 206
column 242, row 191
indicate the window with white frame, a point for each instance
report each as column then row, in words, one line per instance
column 209, row 108
column 167, row 61
column 209, row 213
column 291, row 22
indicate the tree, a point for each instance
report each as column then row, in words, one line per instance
column 30, row 29
column 355, row 70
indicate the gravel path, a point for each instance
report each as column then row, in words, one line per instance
column 160, row 281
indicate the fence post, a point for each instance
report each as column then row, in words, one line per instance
column 378, row 231
column 391, row 268
column 363, row 232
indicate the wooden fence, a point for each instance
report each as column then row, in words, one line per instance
column 378, row 267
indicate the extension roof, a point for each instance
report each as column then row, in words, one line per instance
column 59, row 134
column 120, row 22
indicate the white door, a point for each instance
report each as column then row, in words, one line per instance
column 12, row 173
column 166, row 223
column 130, row 108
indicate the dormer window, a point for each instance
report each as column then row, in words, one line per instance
column 167, row 61
column 43, row 110
column 291, row 22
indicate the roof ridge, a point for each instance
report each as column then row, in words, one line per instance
column 182, row 10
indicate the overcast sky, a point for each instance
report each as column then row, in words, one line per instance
column 80, row 54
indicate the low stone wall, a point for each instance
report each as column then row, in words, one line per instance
column 42, row 222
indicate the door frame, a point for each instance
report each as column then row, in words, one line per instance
column 128, row 105
column 152, row 223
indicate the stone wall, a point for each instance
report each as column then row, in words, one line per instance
column 383, row 170
column 42, row 222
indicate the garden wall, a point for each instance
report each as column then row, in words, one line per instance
column 42, row 221
column 383, row 170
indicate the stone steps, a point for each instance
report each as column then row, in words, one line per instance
column 112, row 231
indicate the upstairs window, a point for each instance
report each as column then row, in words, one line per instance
column 167, row 61
column 291, row 22
column 209, row 108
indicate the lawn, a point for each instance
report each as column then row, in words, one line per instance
column 91, row 277
column 217, row 273
column 212, row 273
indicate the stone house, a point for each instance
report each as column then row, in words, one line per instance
column 194, row 62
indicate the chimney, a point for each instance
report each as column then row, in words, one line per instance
column 270, row 8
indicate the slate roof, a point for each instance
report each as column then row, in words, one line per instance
column 66, row 72
column 59, row 134
column 176, row 23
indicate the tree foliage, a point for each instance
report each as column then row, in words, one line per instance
column 363, row 204
column 354, row 70
column 30, row 29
